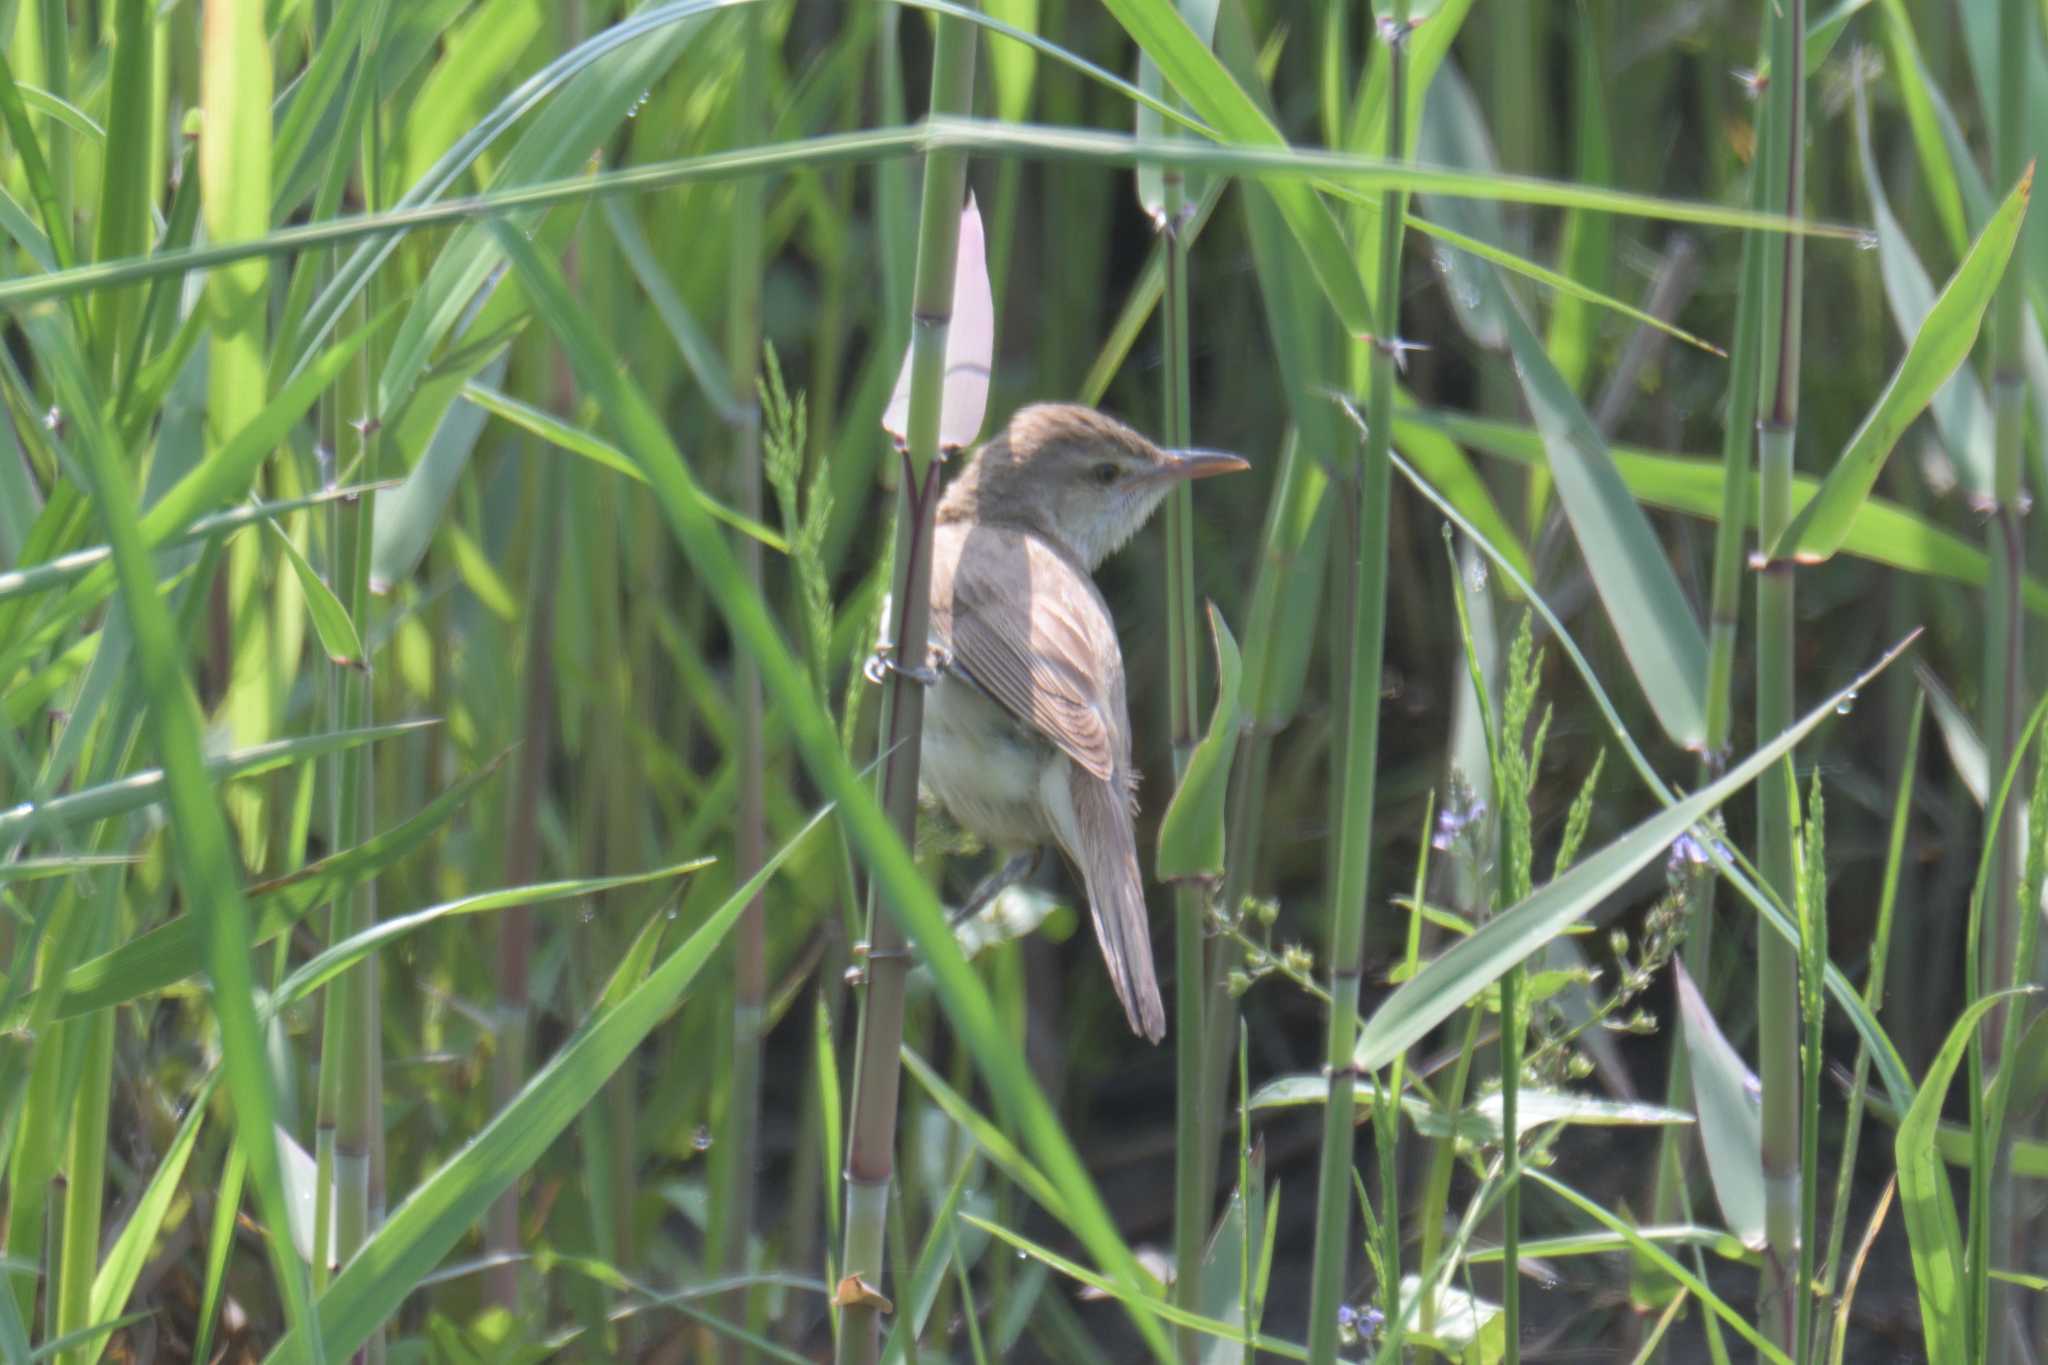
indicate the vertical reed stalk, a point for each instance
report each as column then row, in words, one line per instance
column 522, row 855
column 1777, row 960
column 1195, row 1118
column 1364, row 595
column 1724, row 619
column 871, row 1141
column 750, row 983
column 2005, row 686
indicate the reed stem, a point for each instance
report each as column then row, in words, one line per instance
column 870, row 1161
column 750, row 970
column 1778, row 1033
column 1363, row 596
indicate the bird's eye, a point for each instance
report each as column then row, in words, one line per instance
column 1105, row 473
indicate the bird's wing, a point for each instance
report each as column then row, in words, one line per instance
column 1030, row 630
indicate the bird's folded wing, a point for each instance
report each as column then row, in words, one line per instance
column 1029, row 630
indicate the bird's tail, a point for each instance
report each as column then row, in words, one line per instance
column 1105, row 850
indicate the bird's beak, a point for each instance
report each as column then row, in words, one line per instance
column 1199, row 464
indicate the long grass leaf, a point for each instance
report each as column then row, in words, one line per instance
column 1940, row 346
column 1468, row 967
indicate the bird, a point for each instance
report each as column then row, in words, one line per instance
column 1027, row 731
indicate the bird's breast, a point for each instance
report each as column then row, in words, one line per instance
column 983, row 766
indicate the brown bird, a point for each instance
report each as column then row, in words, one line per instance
column 1027, row 736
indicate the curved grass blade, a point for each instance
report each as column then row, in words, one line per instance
column 332, row 961
column 443, row 1207
column 1881, row 532
column 1191, row 831
column 1928, row 1202
column 1632, row 574
column 1961, row 411
column 125, row 1259
column 330, row 619
column 597, row 450
column 36, row 869
column 1353, row 178
column 171, row 952
column 1644, row 1246
column 54, row 573
column 1556, row 280
column 994, row 1143
column 147, row 788
column 1232, row 1333
column 1472, row 964
column 1731, row 1125
column 1938, row 350
column 1194, row 71
column 1890, row 1066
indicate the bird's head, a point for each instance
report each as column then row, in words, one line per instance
column 1074, row 476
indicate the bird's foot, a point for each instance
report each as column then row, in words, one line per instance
column 1002, row 879
column 883, row 662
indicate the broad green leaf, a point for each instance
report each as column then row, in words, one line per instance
column 1731, row 1121
column 130, row 1252
column 1191, row 832
column 1201, row 17
column 1941, row 345
column 1464, row 1327
column 1223, row 1291
column 1958, row 735
column 1192, row 69
column 427, row 193
column 407, row 517
column 444, row 1206
column 699, row 354
column 1540, row 1106
column 1469, row 966
column 1454, row 133
column 330, row 619
column 1961, row 411
column 1013, row 67
column 1630, row 570
column 1928, row 1202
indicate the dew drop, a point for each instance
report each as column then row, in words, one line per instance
column 1866, row 241
column 1846, row 704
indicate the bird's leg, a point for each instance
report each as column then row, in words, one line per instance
column 997, row 882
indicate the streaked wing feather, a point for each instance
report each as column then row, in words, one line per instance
column 1038, row 653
